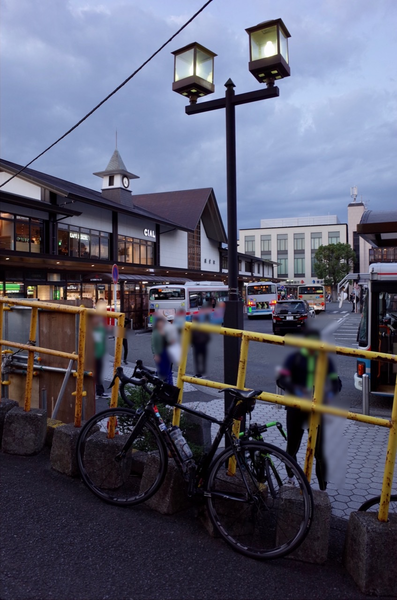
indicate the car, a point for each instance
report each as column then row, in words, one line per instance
column 290, row 315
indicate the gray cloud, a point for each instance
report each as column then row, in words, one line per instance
column 333, row 126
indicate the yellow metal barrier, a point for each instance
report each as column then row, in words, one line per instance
column 315, row 406
column 31, row 348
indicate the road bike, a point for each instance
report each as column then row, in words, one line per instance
column 244, row 486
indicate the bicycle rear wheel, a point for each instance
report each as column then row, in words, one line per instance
column 255, row 510
column 373, row 505
column 118, row 473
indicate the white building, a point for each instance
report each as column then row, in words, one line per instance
column 292, row 244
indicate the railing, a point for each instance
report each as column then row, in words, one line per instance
column 32, row 349
column 315, row 406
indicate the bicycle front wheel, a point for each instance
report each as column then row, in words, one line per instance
column 255, row 510
column 126, row 469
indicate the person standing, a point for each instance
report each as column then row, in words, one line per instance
column 297, row 378
column 159, row 350
column 99, row 335
column 127, row 323
column 200, row 341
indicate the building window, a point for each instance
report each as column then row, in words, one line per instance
column 81, row 242
column 250, row 244
column 299, row 241
column 266, row 243
column 23, row 234
column 194, row 249
column 333, row 237
column 282, row 269
column 224, row 263
column 133, row 250
column 111, row 180
column 316, row 241
column 239, row 265
column 299, row 267
column 313, row 265
column 282, row 243
column 258, row 268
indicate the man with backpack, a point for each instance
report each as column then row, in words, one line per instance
column 297, row 378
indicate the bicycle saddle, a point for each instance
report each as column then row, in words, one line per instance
column 247, row 394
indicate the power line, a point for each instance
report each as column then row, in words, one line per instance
column 111, row 93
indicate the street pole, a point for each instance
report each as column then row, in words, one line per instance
column 234, row 308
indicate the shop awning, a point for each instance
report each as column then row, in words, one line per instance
column 379, row 228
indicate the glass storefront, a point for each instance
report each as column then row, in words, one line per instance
column 136, row 251
column 83, row 243
column 23, row 234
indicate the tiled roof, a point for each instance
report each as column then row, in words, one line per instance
column 116, row 165
column 186, row 208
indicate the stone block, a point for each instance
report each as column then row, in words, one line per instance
column 52, row 424
column 5, row 406
column 198, row 431
column 370, row 553
column 63, row 450
column 24, row 432
column 101, row 467
column 172, row 496
column 314, row 549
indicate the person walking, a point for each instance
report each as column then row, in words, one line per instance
column 200, row 340
column 127, row 323
column 297, row 378
column 159, row 350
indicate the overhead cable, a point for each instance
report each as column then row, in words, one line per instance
column 111, row 93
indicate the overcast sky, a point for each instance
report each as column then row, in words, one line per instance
column 333, row 126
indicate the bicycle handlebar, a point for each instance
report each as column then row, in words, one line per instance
column 141, row 376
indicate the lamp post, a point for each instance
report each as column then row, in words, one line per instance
column 194, row 78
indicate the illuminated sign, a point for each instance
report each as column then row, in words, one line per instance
column 149, row 233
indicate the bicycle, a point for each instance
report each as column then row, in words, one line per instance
column 253, row 509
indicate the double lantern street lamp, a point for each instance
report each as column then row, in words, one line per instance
column 194, row 79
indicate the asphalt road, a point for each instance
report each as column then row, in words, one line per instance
column 59, row 542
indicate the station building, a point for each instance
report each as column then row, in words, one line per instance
column 59, row 240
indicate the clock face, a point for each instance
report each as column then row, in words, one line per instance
column 126, row 182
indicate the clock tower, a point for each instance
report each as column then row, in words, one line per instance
column 116, row 180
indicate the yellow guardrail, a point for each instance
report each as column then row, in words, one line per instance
column 32, row 349
column 315, row 406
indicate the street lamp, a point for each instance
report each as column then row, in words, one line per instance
column 193, row 77
column 269, row 58
column 193, row 71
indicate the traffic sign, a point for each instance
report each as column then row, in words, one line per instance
column 115, row 273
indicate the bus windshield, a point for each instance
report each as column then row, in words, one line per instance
column 167, row 294
column 311, row 289
column 262, row 288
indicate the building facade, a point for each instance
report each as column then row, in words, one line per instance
column 292, row 243
column 59, row 240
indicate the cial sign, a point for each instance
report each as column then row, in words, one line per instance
column 149, row 233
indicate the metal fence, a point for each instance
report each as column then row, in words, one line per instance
column 315, row 406
column 79, row 357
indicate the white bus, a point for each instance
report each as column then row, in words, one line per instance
column 314, row 296
column 260, row 298
column 188, row 299
column 378, row 328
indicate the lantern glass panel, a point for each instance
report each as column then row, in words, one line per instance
column 184, row 65
column 264, row 43
column 204, row 66
column 283, row 46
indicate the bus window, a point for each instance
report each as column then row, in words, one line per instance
column 261, row 288
column 167, row 294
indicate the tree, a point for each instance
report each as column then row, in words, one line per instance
column 332, row 263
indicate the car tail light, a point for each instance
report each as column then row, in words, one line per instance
column 322, row 303
column 272, row 302
column 250, row 303
column 360, row 369
column 300, row 296
column 276, row 318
